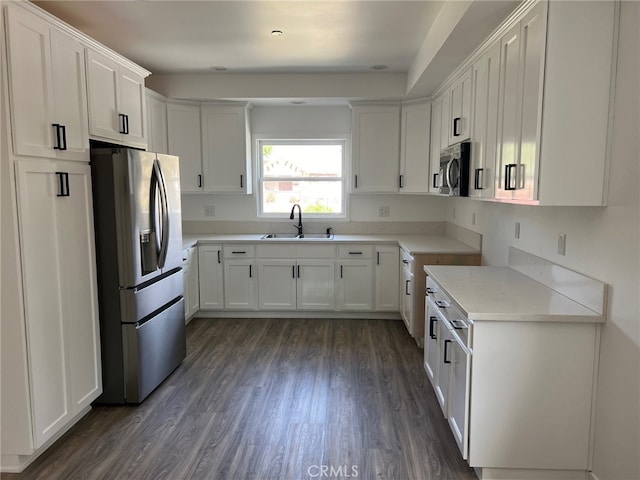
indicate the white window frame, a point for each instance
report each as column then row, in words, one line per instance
column 273, row 140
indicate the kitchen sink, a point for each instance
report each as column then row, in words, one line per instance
column 293, row 236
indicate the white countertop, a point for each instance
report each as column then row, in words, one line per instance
column 504, row 294
column 414, row 244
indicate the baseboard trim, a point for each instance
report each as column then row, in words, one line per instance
column 299, row 314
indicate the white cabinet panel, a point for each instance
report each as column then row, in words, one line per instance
column 47, row 89
column 316, row 285
column 240, row 285
column 184, row 140
column 277, row 284
column 376, row 148
column 459, row 125
column 190, row 270
column 387, row 275
column 210, row 272
column 58, row 261
column 431, row 352
column 415, row 148
column 484, row 137
column 156, row 123
column 355, row 285
column 226, row 157
column 117, row 107
column 436, row 144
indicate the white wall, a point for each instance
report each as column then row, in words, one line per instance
column 312, row 122
column 604, row 244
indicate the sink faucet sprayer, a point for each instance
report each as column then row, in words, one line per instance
column 299, row 225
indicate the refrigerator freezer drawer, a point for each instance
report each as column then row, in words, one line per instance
column 137, row 303
column 152, row 351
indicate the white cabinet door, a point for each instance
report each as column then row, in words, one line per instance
column 47, row 89
column 240, row 285
column 445, row 129
column 30, row 83
column 415, row 148
column 210, row 274
column 156, row 124
column 69, row 97
column 460, row 119
column 225, row 153
column 436, row 145
column 131, row 104
column 58, row 261
column 316, row 284
column 522, row 53
column 355, row 285
column 184, row 140
column 277, row 284
column 459, row 400
column 532, row 31
column 191, row 288
column 444, row 367
column 406, row 297
column 431, row 352
column 484, row 137
column 117, row 109
column 102, row 80
column 376, row 148
column 80, row 308
column 387, row 275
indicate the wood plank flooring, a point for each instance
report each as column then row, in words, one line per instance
column 266, row 399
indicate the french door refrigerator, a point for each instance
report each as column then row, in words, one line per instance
column 137, row 217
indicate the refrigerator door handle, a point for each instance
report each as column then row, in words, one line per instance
column 159, row 186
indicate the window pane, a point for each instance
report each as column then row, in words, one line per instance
column 313, row 196
column 301, row 160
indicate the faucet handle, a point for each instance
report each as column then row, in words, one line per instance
column 329, row 231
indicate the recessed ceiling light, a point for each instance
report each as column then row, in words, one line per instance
column 297, row 102
column 379, row 67
column 219, row 68
column 276, row 33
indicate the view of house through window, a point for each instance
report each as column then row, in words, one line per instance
column 307, row 172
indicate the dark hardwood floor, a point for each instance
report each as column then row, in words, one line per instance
column 274, row 399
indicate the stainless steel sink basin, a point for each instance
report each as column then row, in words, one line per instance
column 326, row 236
column 293, row 236
column 273, row 236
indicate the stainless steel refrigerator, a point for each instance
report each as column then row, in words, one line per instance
column 136, row 198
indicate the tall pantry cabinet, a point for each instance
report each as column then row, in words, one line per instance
column 49, row 347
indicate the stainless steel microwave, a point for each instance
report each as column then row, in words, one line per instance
column 453, row 177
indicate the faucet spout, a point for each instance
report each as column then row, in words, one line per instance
column 299, row 225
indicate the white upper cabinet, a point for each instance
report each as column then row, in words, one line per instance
column 484, row 136
column 156, row 122
column 415, row 148
column 184, row 140
column 436, row 144
column 226, row 149
column 47, row 89
column 459, row 124
column 553, row 120
column 117, row 107
column 376, row 148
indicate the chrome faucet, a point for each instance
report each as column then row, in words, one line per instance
column 299, row 225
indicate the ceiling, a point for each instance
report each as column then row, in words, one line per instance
column 170, row 37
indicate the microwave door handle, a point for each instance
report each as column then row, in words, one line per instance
column 164, row 235
column 449, row 179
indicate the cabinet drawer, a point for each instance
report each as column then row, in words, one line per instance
column 316, row 251
column 274, row 251
column 238, row 251
column 355, row 251
column 406, row 258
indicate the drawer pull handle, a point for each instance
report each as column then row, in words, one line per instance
column 406, row 287
column 355, row 253
column 405, row 262
column 239, row 252
column 432, row 334
column 458, row 324
column 442, row 304
column 429, row 291
column 219, row 257
column 446, row 342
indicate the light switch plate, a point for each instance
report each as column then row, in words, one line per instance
column 209, row 211
column 517, row 232
column 562, row 244
column 383, row 211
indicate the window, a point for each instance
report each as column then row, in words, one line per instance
column 307, row 172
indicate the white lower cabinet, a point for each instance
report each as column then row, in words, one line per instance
column 210, row 275
column 315, row 286
column 355, row 285
column 406, row 296
column 191, row 286
column 240, row 284
column 431, row 352
column 277, row 284
column 55, row 217
column 387, row 278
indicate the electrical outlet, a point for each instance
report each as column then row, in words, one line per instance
column 517, row 233
column 383, row 211
column 454, row 213
column 209, row 211
column 473, row 218
column 562, row 244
